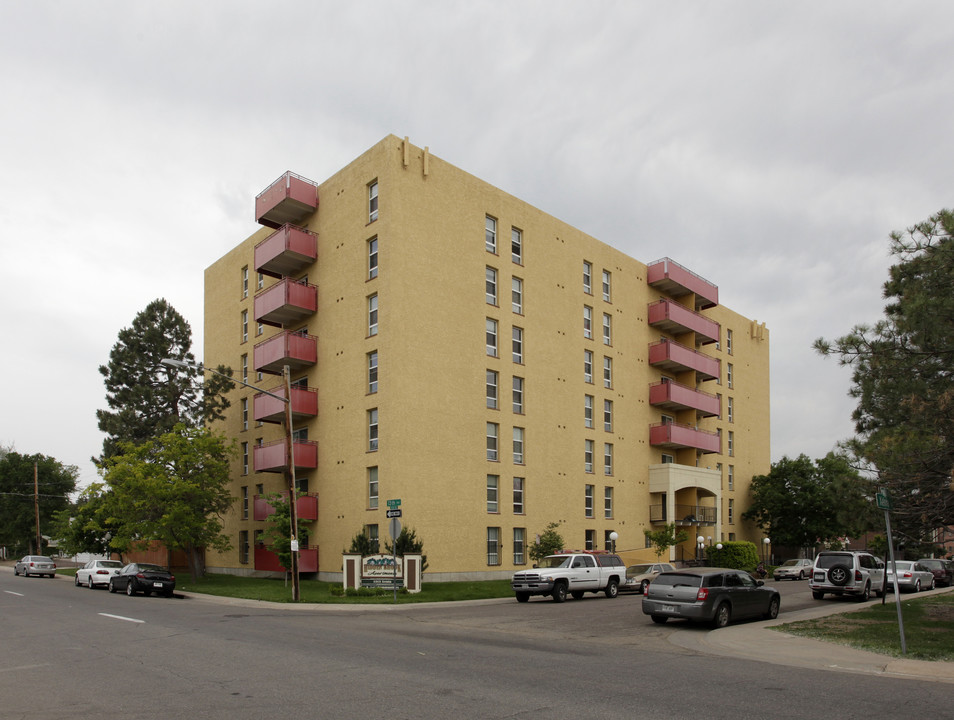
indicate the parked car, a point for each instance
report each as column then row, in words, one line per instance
column 639, row 576
column 35, row 565
column 144, row 578
column 573, row 573
column 793, row 570
column 97, row 572
column 943, row 570
column 717, row 595
column 911, row 576
column 844, row 572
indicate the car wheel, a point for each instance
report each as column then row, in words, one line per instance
column 818, row 594
column 76, row 581
column 130, row 591
column 659, row 619
column 16, row 571
column 933, row 584
column 644, row 587
column 865, row 594
column 89, row 582
column 612, row 589
column 559, row 592
column 523, row 597
column 577, row 594
column 839, row 574
column 722, row 615
column 917, row 586
column 802, row 575
column 112, row 588
column 773, row 608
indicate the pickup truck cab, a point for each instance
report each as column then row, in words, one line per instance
column 571, row 573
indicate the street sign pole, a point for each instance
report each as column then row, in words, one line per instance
column 395, row 528
column 884, row 502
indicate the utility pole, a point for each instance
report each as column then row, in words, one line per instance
column 292, row 490
column 36, row 509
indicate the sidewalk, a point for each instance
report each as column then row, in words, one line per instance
column 755, row 641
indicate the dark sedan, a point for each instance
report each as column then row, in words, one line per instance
column 943, row 570
column 715, row 595
column 144, row 578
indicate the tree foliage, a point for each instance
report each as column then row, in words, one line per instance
column 902, row 370
column 549, row 542
column 173, row 489
column 664, row 538
column 54, row 483
column 407, row 542
column 800, row 503
column 277, row 534
column 146, row 398
column 85, row 527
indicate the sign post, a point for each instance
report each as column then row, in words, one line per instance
column 884, row 503
column 395, row 528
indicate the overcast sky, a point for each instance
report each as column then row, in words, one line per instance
column 771, row 147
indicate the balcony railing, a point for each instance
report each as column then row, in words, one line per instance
column 684, row 514
column 675, row 357
column 272, row 457
column 304, row 404
column 290, row 199
column 677, row 436
column 287, row 251
column 676, row 280
column 678, row 319
column 307, row 506
column 267, row 560
column 286, row 302
column 676, row 396
column 295, row 350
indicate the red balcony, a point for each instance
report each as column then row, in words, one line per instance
column 271, row 457
column 676, row 436
column 287, row 251
column 290, row 199
column 675, row 280
column 676, row 396
column 677, row 319
column 304, row 404
column 307, row 506
column 295, row 350
column 267, row 561
column 286, row 302
column 673, row 357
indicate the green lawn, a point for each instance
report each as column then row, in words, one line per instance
column 928, row 628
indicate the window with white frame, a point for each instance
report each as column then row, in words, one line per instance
column 607, row 329
column 245, row 413
column 587, row 277
column 373, row 201
column 243, row 547
column 608, row 503
column 588, row 411
column 493, row 490
column 372, row 315
column 519, row 546
column 728, row 341
column 588, row 501
column 492, row 389
column 259, row 328
column 607, row 458
column 245, row 458
column 373, row 539
column 608, row 415
column 588, row 456
column 493, row 546
column 372, row 488
column 245, row 326
column 245, row 502
column 590, row 541
column 607, row 372
column 372, row 372
column 490, row 235
column 588, row 366
column 731, row 477
column 491, row 285
column 245, row 282
column 731, row 511
column 516, row 245
column 517, row 334
column 518, row 395
column 587, row 322
column 245, row 368
column 519, row 488
column 493, row 436
column 518, row 445
column 516, row 295
column 261, row 280
column 607, row 276
column 372, row 430
column 372, row 258
column 731, row 444
column 728, row 375
column 666, row 458
column 730, row 416
column 491, row 337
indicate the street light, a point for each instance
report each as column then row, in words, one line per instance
column 766, row 542
column 700, row 541
column 289, row 454
column 614, row 536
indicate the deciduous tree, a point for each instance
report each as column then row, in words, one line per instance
column 21, row 498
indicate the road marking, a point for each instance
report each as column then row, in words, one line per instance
column 10, row 592
column 120, row 617
column 24, row 667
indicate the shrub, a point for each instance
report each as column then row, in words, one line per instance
column 738, row 555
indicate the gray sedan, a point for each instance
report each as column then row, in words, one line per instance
column 912, row 576
column 35, row 565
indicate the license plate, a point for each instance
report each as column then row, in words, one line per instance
column 669, row 608
column 155, row 584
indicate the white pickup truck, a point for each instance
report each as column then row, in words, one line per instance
column 573, row 574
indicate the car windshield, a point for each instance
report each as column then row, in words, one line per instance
column 555, row 561
column 110, row 563
column 40, row 558
column 901, row 565
column 677, row 580
column 151, row 568
column 790, row 563
column 827, row 561
column 637, row 570
column 933, row 564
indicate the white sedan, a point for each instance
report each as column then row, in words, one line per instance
column 97, row 572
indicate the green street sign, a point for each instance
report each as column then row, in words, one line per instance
column 883, row 501
column 394, row 503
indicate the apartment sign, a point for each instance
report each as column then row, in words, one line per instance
column 374, row 567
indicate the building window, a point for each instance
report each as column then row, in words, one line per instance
column 245, row 502
column 588, row 411
column 608, row 503
column 244, row 368
column 372, row 372
column 588, row 366
column 728, row 341
column 491, row 286
column 260, row 280
column 667, row 458
column 728, row 375
column 493, row 433
column 731, row 511
column 590, row 543
column 731, row 444
column 491, row 337
column 372, row 488
column 493, row 488
column 588, row 501
column 516, row 295
column 372, row 430
column 607, row 330
column 608, row 415
column 608, row 544
column 493, row 546
column 729, row 410
column 516, row 245
column 245, row 458
column 372, row 258
column 492, row 389
column 243, row 547
column 259, row 328
column 587, row 277
column 607, row 372
column 587, row 322
column 519, row 543
column 518, row 446
column 588, row 456
column 245, row 413
column 373, row 315
column 518, row 395
column 606, row 285
column 373, row 539
column 518, row 345
column 245, row 326
column 519, row 485
column 731, row 478
column 490, row 235
column 373, row 201
column 245, row 282
column 608, row 458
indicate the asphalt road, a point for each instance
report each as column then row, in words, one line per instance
column 67, row 651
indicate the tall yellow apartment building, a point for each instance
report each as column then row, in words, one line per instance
column 486, row 364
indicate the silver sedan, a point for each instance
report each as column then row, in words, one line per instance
column 912, row 576
column 35, row 565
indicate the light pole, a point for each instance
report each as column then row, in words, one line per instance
column 614, row 536
column 289, row 455
column 700, row 541
column 766, row 542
